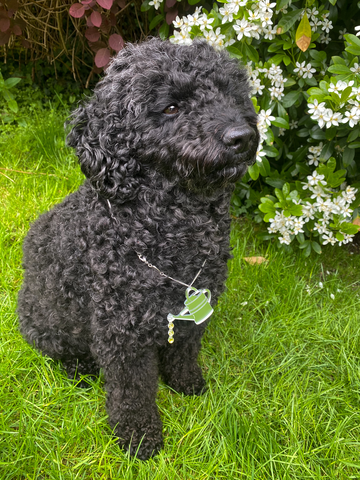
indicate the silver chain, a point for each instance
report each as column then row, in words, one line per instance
column 150, row 265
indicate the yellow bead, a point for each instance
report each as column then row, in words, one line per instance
column 171, row 340
column 171, row 333
column 171, row 325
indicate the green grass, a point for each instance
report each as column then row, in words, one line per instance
column 281, row 357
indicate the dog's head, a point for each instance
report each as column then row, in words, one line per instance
column 183, row 111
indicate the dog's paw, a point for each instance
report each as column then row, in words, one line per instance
column 141, row 434
column 188, row 383
column 147, row 448
column 143, row 446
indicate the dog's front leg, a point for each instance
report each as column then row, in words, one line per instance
column 131, row 382
column 178, row 361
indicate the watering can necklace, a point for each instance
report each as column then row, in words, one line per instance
column 197, row 304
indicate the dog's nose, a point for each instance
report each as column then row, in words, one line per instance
column 238, row 138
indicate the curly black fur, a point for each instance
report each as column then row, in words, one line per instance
column 159, row 184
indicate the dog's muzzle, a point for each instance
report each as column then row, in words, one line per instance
column 239, row 139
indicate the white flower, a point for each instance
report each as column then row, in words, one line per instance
column 276, row 93
column 178, row 22
column 321, row 227
column 328, row 238
column 332, row 296
column 285, row 238
column 266, row 116
column 227, row 11
column 282, row 132
column 315, row 178
column 297, row 225
column 357, row 29
column 332, row 118
column 293, row 124
column 335, row 88
column 315, row 107
column 205, row 22
column 315, row 23
column 155, row 3
column 236, row 4
column 242, row 28
column 308, row 71
column 308, row 211
column 312, row 12
column 318, row 192
column 269, row 34
column 325, row 39
column 260, row 153
column 349, row 194
column 355, row 68
column 181, row 38
column 327, row 25
column 351, row 117
column 266, row 4
column 313, row 160
column 256, row 86
column 300, row 68
column 321, row 285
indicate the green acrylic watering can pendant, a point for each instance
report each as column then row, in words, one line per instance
column 197, row 309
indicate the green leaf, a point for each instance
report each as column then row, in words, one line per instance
column 267, row 208
column 316, row 247
column 266, row 200
column 277, row 59
column 352, row 39
column 339, row 236
column 145, row 6
column 271, row 151
column 274, row 47
column 338, row 60
column 318, row 56
column 296, row 210
column 11, row 82
column 327, row 151
column 268, row 217
column 353, row 49
column 348, row 156
column 281, row 4
column 349, row 228
column 339, row 69
column 286, row 189
column 164, row 31
column 193, row 2
column 275, row 182
column 288, row 20
column 264, row 167
column 155, row 21
column 250, row 52
column 303, row 33
column 354, row 145
column 279, row 195
column 280, row 122
column 13, row 105
column 290, row 99
column 254, row 171
column 235, row 51
column 353, row 135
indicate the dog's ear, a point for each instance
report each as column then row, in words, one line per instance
column 103, row 145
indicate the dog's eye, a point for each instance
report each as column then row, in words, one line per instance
column 171, row 110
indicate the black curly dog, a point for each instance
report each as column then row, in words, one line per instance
column 166, row 135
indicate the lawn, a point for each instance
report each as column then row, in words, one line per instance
column 281, row 357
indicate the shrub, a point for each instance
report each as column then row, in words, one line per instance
column 304, row 73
